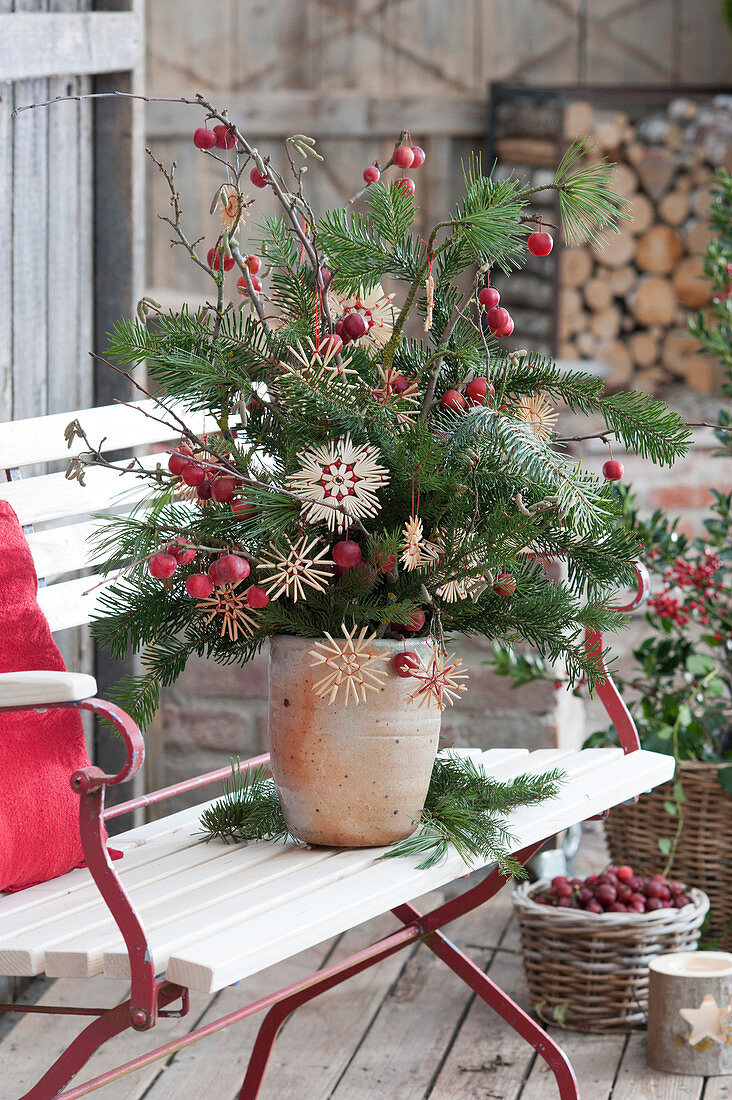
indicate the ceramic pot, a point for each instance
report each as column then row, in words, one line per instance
column 348, row 776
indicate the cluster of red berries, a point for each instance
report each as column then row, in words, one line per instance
column 221, row 137
column 404, row 156
column 616, row 890
column 215, row 259
column 689, row 588
column 477, row 392
column 499, row 320
column 210, row 481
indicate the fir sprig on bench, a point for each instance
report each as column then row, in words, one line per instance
column 464, row 807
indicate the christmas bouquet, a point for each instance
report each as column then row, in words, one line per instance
column 379, row 473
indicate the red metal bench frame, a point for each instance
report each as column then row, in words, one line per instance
column 150, row 996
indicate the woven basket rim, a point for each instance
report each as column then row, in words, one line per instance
column 704, row 765
column 522, row 899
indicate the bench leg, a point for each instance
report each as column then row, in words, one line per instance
column 79, row 1051
column 514, row 1016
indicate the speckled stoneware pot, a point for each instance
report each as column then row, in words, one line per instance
column 348, row 776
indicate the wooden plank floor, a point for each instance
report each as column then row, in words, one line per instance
column 407, row 1029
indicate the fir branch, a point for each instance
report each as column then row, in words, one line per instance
column 464, row 808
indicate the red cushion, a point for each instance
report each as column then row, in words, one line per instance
column 39, row 812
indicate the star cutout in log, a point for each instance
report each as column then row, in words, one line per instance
column 707, row 1020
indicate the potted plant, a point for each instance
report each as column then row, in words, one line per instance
column 680, row 687
column 380, row 473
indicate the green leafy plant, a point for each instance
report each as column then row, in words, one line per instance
column 374, row 461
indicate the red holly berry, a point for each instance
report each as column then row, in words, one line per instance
column 475, row 391
column 506, row 331
column 182, row 551
column 347, row 553
column 405, row 663
column 355, row 325
column 162, row 566
column 497, row 318
column 241, row 285
column 384, row 565
column 371, row 174
column 405, row 184
column 403, row 156
column 330, row 345
column 204, row 138
column 224, row 488
column 225, row 137
column 540, row 244
column 199, row 586
column 415, row 622
column 242, row 508
column 453, row 399
column 204, row 491
column 254, row 264
column 613, row 470
column 419, row 156
column 193, row 474
column 401, row 383
column 257, row 178
column 228, row 569
column 256, row 596
column 489, row 297
column 505, row 584
column 179, row 460
column 214, row 261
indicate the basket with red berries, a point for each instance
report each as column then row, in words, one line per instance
column 587, row 943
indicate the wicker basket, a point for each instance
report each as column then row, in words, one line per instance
column 702, row 858
column 590, row 970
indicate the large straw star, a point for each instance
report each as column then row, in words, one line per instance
column 707, row 1020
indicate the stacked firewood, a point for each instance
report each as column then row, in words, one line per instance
column 627, row 304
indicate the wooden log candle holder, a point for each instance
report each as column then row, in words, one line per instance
column 690, row 1013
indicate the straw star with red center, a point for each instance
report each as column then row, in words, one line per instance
column 236, row 615
column 340, row 473
column 440, row 681
column 351, row 665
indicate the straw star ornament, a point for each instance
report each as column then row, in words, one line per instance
column 232, row 607
column 440, row 681
column 417, row 551
column 351, row 665
column 342, row 474
column 298, row 568
column 311, row 362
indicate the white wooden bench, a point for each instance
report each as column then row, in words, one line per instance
column 176, row 913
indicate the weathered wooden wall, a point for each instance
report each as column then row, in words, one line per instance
column 353, row 72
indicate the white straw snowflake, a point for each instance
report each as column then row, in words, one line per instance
column 311, row 362
column 439, row 681
column 232, row 607
column 418, row 551
column 452, row 591
column 299, row 568
column 538, row 414
column 351, row 664
column 376, row 309
column 342, row 474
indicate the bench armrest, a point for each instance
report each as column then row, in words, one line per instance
column 31, row 689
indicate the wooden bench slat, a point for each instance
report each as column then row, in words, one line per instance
column 41, row 439
column 52, row 496
column 62, row 550
column 215, row 961
column 223, row 915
